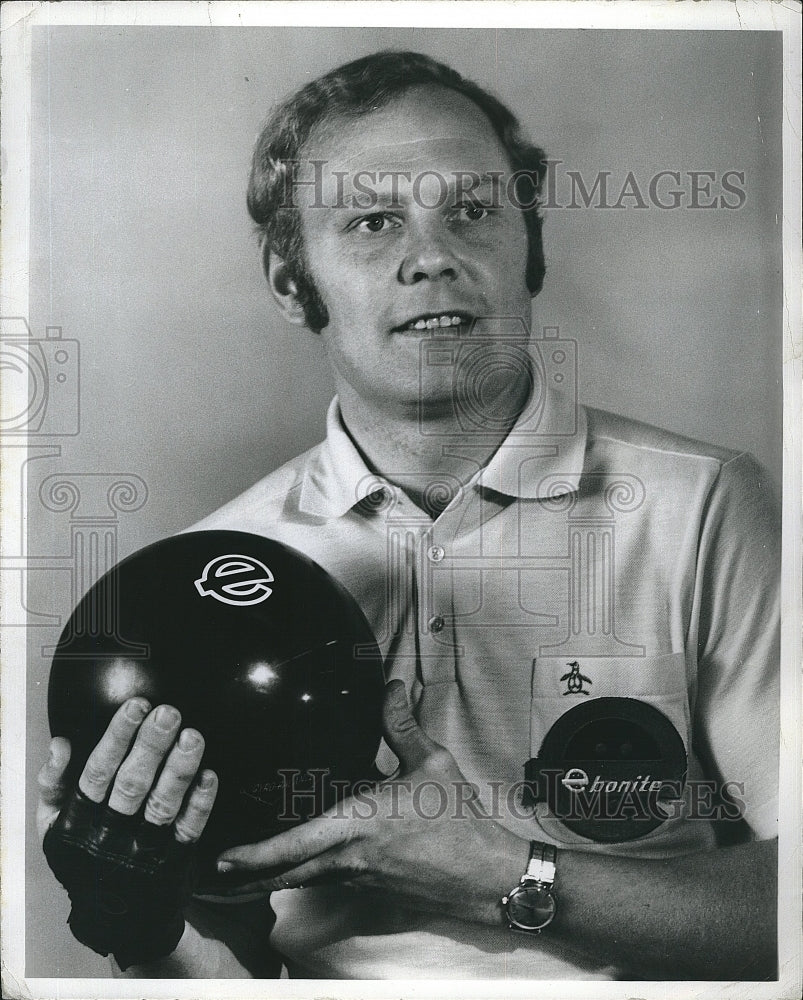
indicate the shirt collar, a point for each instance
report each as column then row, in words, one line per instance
column 336, row 477
column 542, row 457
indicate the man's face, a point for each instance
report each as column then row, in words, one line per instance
column 422, row 254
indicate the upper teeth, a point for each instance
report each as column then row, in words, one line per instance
column 435, row 321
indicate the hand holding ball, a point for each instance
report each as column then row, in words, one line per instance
column 261, row 652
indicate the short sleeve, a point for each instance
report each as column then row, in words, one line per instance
column 736, row 728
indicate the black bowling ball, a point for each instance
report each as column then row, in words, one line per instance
column 259, row 648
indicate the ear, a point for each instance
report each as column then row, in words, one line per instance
column 282, row 286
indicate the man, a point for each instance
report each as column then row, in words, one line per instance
column 523, row 562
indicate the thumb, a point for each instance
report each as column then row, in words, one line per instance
column 403, row 734
column 52, row 788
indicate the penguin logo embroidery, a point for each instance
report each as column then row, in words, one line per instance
column 235, row 579
column 575, row 680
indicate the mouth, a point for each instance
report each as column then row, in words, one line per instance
column 434, row 321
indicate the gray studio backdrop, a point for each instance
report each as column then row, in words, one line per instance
column 192, row 387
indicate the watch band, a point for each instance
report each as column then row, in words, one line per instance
column 542, row 864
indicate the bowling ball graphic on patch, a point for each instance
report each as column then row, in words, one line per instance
column 607, row 769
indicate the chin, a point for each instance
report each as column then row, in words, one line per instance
column 436, row 407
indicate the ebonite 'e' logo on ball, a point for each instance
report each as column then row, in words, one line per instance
column 235, row 579
column 575, row 779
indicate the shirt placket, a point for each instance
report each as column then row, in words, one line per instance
column 437, row 617
column 414, row 629
column 420, row 573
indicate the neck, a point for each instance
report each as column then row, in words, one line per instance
column 429, row 456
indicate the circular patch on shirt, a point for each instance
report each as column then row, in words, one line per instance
column 608, row 767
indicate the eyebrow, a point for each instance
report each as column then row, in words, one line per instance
column 485, row 180
column 463, row 182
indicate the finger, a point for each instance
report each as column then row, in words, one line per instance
column 180, row 768
column 52, row 787
column 193, row 816
column 102, row 763
column 324, row 869
column 289, row 848
column 137, row 772
column 403, row 734
column 249, row 890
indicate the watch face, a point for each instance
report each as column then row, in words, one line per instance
column 531, row 908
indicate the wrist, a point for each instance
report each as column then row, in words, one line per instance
column 148, row 946
column 507, row 859
column 194, row 957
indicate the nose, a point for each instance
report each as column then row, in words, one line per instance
column 429, row 258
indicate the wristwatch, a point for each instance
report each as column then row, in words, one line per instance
column 531, row 906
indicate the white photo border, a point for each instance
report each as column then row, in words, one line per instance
column 18, row 19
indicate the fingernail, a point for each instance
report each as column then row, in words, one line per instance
column 166, row 717
column 224, row 866
column 188, row 740
column 207, row 779
column 136, row 711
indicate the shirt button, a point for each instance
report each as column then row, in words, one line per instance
column 436, row 624
column 435, row 553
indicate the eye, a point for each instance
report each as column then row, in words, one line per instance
column 473, row 211
column 378, row 222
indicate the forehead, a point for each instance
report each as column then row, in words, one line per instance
column 425, row 127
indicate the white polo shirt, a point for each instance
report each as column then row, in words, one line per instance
column 649, row 560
